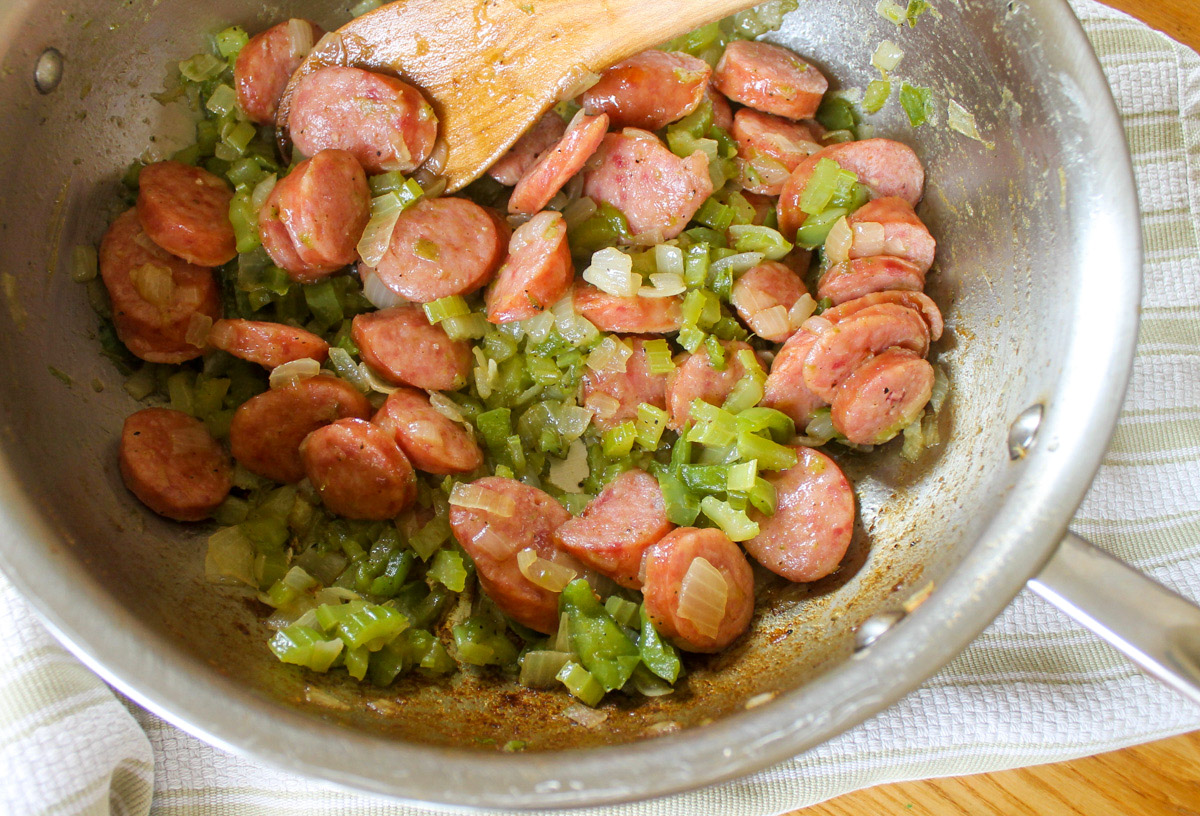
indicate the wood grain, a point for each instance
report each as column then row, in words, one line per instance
column 1158, row 779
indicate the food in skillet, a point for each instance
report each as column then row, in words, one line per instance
column 548, row 424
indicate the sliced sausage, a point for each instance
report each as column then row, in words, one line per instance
column 882, row 397
column 267, row 429
column 769, row 149
column 264, row 66
column 667, row 564
column 656, row 190
column 722, row 112
column 384, row 122
column 785, row 389
column 359, row 470
column 766, row 286
column 442, row 247
column 904, row 233
column 771, row 79
column 154, row 295
column 529, row 148
column 628, row 315
column 185, row 210
column 809, row 533
column 887, row 167
column 405, row 348
column 431, row 440
column 697, row 379
column 649, row 90
column 843, row 346
column 853, row 279
column 555, row 167
column 629, row 388
column 616, row 528
column 324, row 205
column 173, row 465
column 268, row 344
column 917, row 301
column 537, row 273
column 493, row 540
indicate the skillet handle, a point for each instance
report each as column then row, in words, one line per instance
column 1154, row 627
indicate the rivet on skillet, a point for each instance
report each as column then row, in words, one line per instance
column 48, row 71
column 1023, row 432
column 874, row 628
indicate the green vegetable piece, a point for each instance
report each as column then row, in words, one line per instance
column 714, row 214
column 580, row 682
column 624, row 612
column 370, row 625
column 305, row 646
column 323, row 301
column 230, row 41
column 815, row 229
column 837, row 113
column 618, row 441
column 651, row 422
column 917, row 103
column 682, row 506
column 733, row 522
column 452, row 306
column 603, row 648
column 659, row 656
column 480, row 642
column 758, row 418
column 770, row 455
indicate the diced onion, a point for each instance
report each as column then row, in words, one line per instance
column 198, row 328
column 517, row 220
column 294, row 371
column 887, row 56
column 662, row 285
column 736, row 264
column 573, row 421
column 668, row 259
column 153, row 284
column 538, row 327
column 376, row 291
column 611, row 271
column 587, row 717
column 604, row 405
column 377, row 237
column 543, row 572
column 941, row 388
column 702, row 597
column 821, row 427
column 771, row 323
column 579, row 211
column 432, row 186
column 652, row 237
column 84, row 263
column 769, row 171
column 817, row 325
column 562, row 636
column 230, row 558
column 300, row 37
column 801, row 310
column 577, row 80
column 869, row 237
column 611, row 355
column 446, row 407
column 540, row 668
column 374, row 381
column 437, row 157
column 839, row 241
column 474, row 497
column 760, row 699
column 963, row 121
column 262, row 192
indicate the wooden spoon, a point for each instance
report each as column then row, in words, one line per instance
column 492, row 67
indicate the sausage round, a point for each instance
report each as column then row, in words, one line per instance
column 155, row 331
column 628, row 315
column 763, row 287
column 841, row 348
column 173, row 465
column 766, row 141
column 442, row 247
column 785, row 389
column 810, row 531
column 324, row 205
column 431, row 440
column 904, row 233
column 697, row 379
column 263, row 68
column 493, row 541
column 616, row 528
column 555, row 167
column 882, row 397
column 649, row 90
column 862, row 276
column 771, row 79
column 528, row 149
column 655, row 189
column 537, row 272
column 917, row 301
column 629, row 388
column 402, row 346
column 359, row 470
column 185, row 210
column 722, row 112
column 267, row 429
column 384, row 122
column 667, row 564
column 268, row 344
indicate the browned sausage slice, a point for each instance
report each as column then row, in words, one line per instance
column 657, row 191
column 843, row 346
column 173, row 465
column 431, row 440
column 767, row 286
column 629, row 388
column 384, row 122
column 769, row 149
column 268, row 344
column 555, row 167
column 697, row 379
column 904, row 233
column 917, row 301
column 771, row 79
column 528, row 149
column 785, row 389
column 862, row 276
column 628, row 315
column 401, row 345
column 155, row 295
column 649, row 90
column 810, row 531
column 668, row 563
column 442, row 247
column 882, row 397
column 185, row 210
column 266, row 63
column 359, row 470
column 537, row 273
column 616, row 528
column 267, row 429
column 493, row 539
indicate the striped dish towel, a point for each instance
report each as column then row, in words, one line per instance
column 1033, row 688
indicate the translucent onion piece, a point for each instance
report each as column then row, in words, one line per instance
column 577, row 80
column 538, row 328
column 579, row 211
column 668, row 259
column 437, row 157
column 736, row 264
column 839, row 241
column 611, row 355
column 604, row 405
column 702, row 597
column 542, row 572
column 540, row 668
column 261, row 192
column 377, row 237
column 587, row 717
column 887, row 56
column 300, row 37
column 648, row 238
column 153, row 284
column 431, row 185
column 801, row 310
column 294, row 371
column 400, row 148
column 821, row 427
column 230, row 558
column 474, row 497
column 197, row 331
column 963, row 121
column 611, row 271
column 817, row 325
column 562, row 636
column 662, row 285
column 376, row 291
column 374, row 381
column 572, row 421
column 84, row 264
column 941, row 388
column 517, row 220
column 772, row 322
column 770, row 171
column 446, row 407
column 869, row 237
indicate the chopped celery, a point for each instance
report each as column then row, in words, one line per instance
column 658, row 356
column 181, row 391
column 393, row 575
column 603, row 648
column 658, row 656
column 231, row 41
column 714, row 215
column 293, row 584
column 733, row 522
column 624, row 612
column 695, row 265
column 580, row 682
column 770, row 455
column 426, row 541
column 705, row 478
column 765, row 240
column 618, row 441
column 716, row 353
column 305, row 646
column 917, row 103
column 822, row 185
column 222, row 100
column 651, row 422
column 447, row 568
column 471, row 326
column 369, row 625
column 742, row 475
column 481, row 642
column 202, row 67
column 495, row 426
column 815, row 229
column 713, row 425
column 356, row 662
column 756, row 419
column 878, row 91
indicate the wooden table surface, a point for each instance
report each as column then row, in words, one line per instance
column 1158, row 779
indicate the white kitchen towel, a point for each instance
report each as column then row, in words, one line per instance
column 1033, row 688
